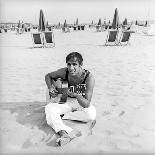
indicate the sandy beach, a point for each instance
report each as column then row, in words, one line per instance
column 124, row 93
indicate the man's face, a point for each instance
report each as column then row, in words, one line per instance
column 73, row 66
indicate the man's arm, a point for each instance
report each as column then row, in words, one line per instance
column 85, row 101
column 50, row 77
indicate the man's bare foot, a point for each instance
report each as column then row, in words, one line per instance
column 92, row 124
column 66, row 138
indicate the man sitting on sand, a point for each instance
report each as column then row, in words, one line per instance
column 77, row 105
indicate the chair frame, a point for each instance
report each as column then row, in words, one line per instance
column 65, row 29
column 121, row 42
column 46, row 44
column 41, row 40
column 115, row 42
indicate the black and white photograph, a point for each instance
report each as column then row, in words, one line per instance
column 77, row 77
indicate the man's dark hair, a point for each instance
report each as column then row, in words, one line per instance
column 74, row 55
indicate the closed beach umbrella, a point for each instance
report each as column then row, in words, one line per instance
column 92, row 22
column 19, row 25
column 41, row 21
column 145, row 23
column 115, row 22
column 77, row 22
column 99, row 22
column 104, row 22
column 47, row 24
column 65, row 23
column 59, row 25
column 125, row 21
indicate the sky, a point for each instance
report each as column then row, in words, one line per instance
column 85, row 10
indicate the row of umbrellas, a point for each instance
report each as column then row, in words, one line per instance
column 115, row 23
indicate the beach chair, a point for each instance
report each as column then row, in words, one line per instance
column 65, row 29
column 124, row 38
column 82, row 27
column 49, row 39
column 74, row 28
column 19, row 31
column 37, row 39
column 79, row 27
column 112, row 38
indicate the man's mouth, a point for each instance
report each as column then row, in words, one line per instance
column 72, row 72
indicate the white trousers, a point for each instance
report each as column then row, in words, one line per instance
column 71, row 110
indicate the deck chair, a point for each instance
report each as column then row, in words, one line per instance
column 37, row 39
column 49, row 39
column 65, row 29
column 125, row 37
column 112, row 38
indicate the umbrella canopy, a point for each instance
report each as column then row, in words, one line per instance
column 115, row 22
column 99, row 22
column 41, row 21
column 125, row 21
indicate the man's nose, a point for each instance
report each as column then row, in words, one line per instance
column 71, row 67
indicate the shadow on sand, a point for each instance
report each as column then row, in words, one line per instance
column 33, row 115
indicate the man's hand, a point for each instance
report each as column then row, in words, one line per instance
column 71, row 94
column 53, row 92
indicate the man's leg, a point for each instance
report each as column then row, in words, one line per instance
column 83, row 114
column 53, row 112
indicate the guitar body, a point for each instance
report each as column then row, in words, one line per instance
column 62, row 88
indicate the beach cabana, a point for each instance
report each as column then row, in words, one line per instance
column 115, row 23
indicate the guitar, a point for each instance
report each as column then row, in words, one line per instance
column 79, row 89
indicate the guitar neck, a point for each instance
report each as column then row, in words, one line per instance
column 62, row 90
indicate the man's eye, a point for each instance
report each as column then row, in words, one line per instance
column 74, row 64
column 69, row 64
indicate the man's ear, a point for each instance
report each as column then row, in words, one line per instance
column 81, row 63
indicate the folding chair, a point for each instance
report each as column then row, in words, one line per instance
column 65, row 29
column 74, row 28
column 98, row 28
column 37, row 39
column 19, row 30
column 49, row 39
column 125, row 37
column 82, row 27
column 112, row 37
